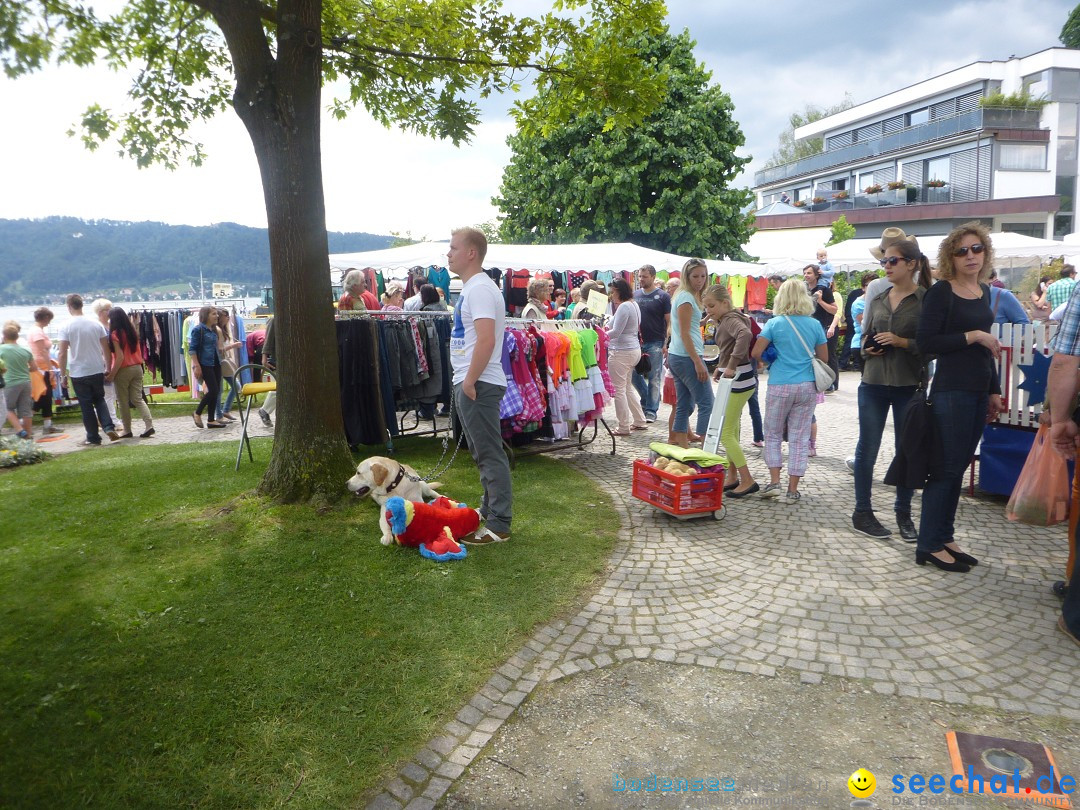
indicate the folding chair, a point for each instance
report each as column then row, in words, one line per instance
column 249, row 391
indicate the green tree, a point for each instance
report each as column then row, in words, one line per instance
column 842, row 230
column 789, row 149
column 413, row 63
column 1070, row 32
column 665, row 184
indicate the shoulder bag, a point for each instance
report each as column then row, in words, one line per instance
column 824, row 376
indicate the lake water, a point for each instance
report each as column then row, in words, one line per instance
column 24, row 316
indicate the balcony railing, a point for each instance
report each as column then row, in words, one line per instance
column 912, row 195
column 973, row 121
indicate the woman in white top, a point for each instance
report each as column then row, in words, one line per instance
column 624, row 352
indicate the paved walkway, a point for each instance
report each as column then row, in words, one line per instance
column 179, row 429
column 776, row 587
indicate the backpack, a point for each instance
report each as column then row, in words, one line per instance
column 755, row 330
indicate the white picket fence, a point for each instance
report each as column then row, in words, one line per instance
column 1020, row 343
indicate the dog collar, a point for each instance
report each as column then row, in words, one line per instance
column 397, row 480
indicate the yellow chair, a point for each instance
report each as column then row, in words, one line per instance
column 249, row 392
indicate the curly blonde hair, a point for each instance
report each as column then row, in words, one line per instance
column 946, row 270
column 793, row 299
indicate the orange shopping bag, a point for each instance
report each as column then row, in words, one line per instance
column 1041, row 494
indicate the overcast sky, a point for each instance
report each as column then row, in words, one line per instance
column 772, row 58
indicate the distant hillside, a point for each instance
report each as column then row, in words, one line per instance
column 48, row 257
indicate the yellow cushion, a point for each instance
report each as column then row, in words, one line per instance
column 251, row 389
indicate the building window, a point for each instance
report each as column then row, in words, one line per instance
column 938, row 169
column 916, row 117
column 1063, row 224
column 1022, row 157
column 1066, row 85
column 1064, row 188
column 866, row 179
column 1036, row 84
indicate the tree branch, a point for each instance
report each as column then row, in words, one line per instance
column 339, row 45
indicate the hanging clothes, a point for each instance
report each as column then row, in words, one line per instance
column 358, row 375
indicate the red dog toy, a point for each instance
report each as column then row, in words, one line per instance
column 434, row 527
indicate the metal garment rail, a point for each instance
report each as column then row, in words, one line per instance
column 404, row 315
column 559, row 445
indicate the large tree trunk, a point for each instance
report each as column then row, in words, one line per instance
column 281, row 110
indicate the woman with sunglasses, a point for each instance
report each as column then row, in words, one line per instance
column 693, row 388
column 955, row 323
column 891, row 370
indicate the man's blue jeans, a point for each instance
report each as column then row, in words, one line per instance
column 874, row 404
column 649, row 388
column 690, row 392
column 960, row 417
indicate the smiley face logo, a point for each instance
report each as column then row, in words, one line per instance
column 862, row 784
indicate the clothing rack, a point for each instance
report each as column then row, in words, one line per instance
column 515, row 453
column 409, row 414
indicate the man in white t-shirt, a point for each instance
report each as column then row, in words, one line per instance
column 476, row 344
column 84, row 355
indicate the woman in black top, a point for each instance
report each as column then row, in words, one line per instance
column 824, row 310
column 954, row 326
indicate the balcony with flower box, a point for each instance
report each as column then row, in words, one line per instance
column 989, row 119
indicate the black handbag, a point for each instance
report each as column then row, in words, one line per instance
column 644, row 365
column 919, row 448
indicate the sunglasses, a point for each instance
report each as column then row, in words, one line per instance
column 891, row 261
column 963, row 251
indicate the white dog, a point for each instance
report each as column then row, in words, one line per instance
column 382, row 478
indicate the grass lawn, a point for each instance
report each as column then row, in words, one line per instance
column 168, row 639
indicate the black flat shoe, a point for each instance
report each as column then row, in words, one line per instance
column 731, row 486
column 960, row 556
column 127, row 435
column 924, row 557
column 147, row 434
column 755, row 487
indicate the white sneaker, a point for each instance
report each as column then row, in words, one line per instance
column 850, row 462
column 770, row 491
column 791, row 498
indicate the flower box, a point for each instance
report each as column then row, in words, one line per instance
column 874, row 189
column 897, row 184
column 817, row 200
column 936, row 184
column 840, row 195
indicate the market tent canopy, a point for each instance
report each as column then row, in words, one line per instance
column 614, row 256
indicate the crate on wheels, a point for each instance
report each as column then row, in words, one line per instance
column 683, row 496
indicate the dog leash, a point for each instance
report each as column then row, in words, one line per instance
column 439, row 467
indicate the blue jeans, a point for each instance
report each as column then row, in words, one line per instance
column 649, row 388
column 755, row 413
column 874, row 404
column 234, row 389
column 91, row 394
column 690, row 393
column 960, row 417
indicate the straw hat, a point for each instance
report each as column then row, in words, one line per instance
column 890, row 237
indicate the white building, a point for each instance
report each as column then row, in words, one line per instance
column 1014, row 169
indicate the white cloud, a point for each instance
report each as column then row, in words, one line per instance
column 771, row 59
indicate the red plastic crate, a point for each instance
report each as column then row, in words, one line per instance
column 678, row 494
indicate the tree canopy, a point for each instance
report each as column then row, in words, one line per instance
column 788, row 149
column 664, row 184
column 1070, row 32
column 418, row 64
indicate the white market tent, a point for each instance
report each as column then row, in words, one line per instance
column 789, row 250
column 614, row 256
